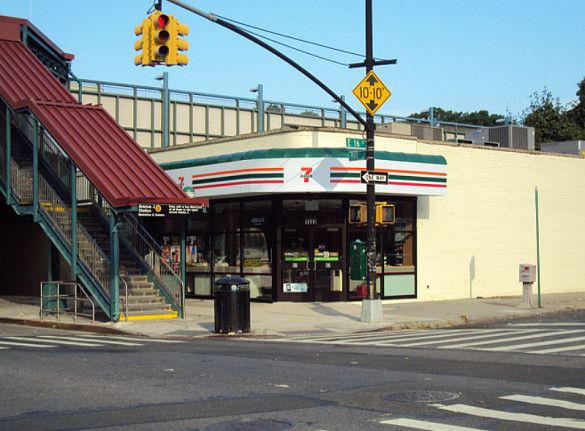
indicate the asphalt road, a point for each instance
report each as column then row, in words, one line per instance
column 91, row 381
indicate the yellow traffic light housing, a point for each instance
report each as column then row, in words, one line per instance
column 160, row 37
column 143, row 44
column 357, row 214
column 385, row 213
column 176, row 43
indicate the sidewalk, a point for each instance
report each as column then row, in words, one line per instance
column 287, row 318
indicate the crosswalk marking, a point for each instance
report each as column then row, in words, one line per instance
column 82, row 340
column 40, row 340
column 557, row 324
column 569, row 390
column 482, row 412
column 490, row 334
column 506, row 340
column 19, row 344
column 424, row 425
column 561, row 341
column 545, row 402
column 86, row 341
column 143, row 339
column 517, row 417
column 559, row 349
column 538, row 344
column 441, row 338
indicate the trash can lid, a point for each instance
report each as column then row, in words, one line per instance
column 231, row 280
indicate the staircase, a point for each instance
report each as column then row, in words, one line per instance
column 140, row 299
column 148, row 288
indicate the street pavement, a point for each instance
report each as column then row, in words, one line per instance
column 320, row 318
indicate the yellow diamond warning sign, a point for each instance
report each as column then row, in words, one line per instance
column 372, row 92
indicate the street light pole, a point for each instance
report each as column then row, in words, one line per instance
column 372, row 307
column 165, row 108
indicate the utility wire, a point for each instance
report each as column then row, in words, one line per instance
column 297, row 49
column 291, row 37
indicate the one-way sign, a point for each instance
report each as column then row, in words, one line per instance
column 374, row 177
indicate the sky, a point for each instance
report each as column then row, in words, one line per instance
column 461, row 55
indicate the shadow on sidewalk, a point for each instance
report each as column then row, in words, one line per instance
column 329, row 311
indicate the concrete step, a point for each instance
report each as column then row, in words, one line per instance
column 152, row 308
column 143, row 299
column 134, row 279
column 140, row 291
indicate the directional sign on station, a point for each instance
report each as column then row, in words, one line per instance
column 372, row 92
column 373, row 177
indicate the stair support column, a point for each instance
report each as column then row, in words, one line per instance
column 73, row 192
column 35, row 169
column 114, row 267
column 183, row 264
column 8, row 158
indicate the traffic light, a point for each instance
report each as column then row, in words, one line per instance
column 176, row 44
column 143, row 29
column 385, row 213
column 160, row 37
column 357, row 214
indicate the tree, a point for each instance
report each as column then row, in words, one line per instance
column 480, row 118
column 577, row 114
column 551, row 121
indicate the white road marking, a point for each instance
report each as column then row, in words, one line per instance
column 545, row 402
column 379, row 336
column 17, row 344
column 424, row 425
column 82, row 340
column 450, row 334
column 560, row 349
column 486, row 333
column 142, row 339
column 517, row 417
column 42, row 340
column 546, row 324
column 538, row 344
column 515, row 338
column 570, row 390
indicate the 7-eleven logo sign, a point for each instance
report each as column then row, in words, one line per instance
column 306, row 174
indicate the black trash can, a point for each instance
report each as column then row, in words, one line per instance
column 231, row 297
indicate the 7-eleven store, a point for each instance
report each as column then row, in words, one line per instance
column 279, row 218
column 280, row 203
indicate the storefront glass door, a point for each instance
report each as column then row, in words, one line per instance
column 312, row 264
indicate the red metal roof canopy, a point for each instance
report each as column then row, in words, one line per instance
column 114, row 163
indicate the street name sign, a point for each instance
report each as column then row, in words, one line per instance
column 357, row 155
column 373, row 177
column 355, row 143
column 371, row 92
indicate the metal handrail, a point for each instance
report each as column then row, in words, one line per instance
column 58, row 297
column 150, row 253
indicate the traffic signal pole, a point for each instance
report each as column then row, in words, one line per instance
column 372, row 307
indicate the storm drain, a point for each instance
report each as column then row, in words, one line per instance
column 250, row 424
column 420, row 396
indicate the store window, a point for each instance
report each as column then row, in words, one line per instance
column 226, row 216
column 257, row 240
column 395, row 253
column 198, row 265
column 398, row 252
